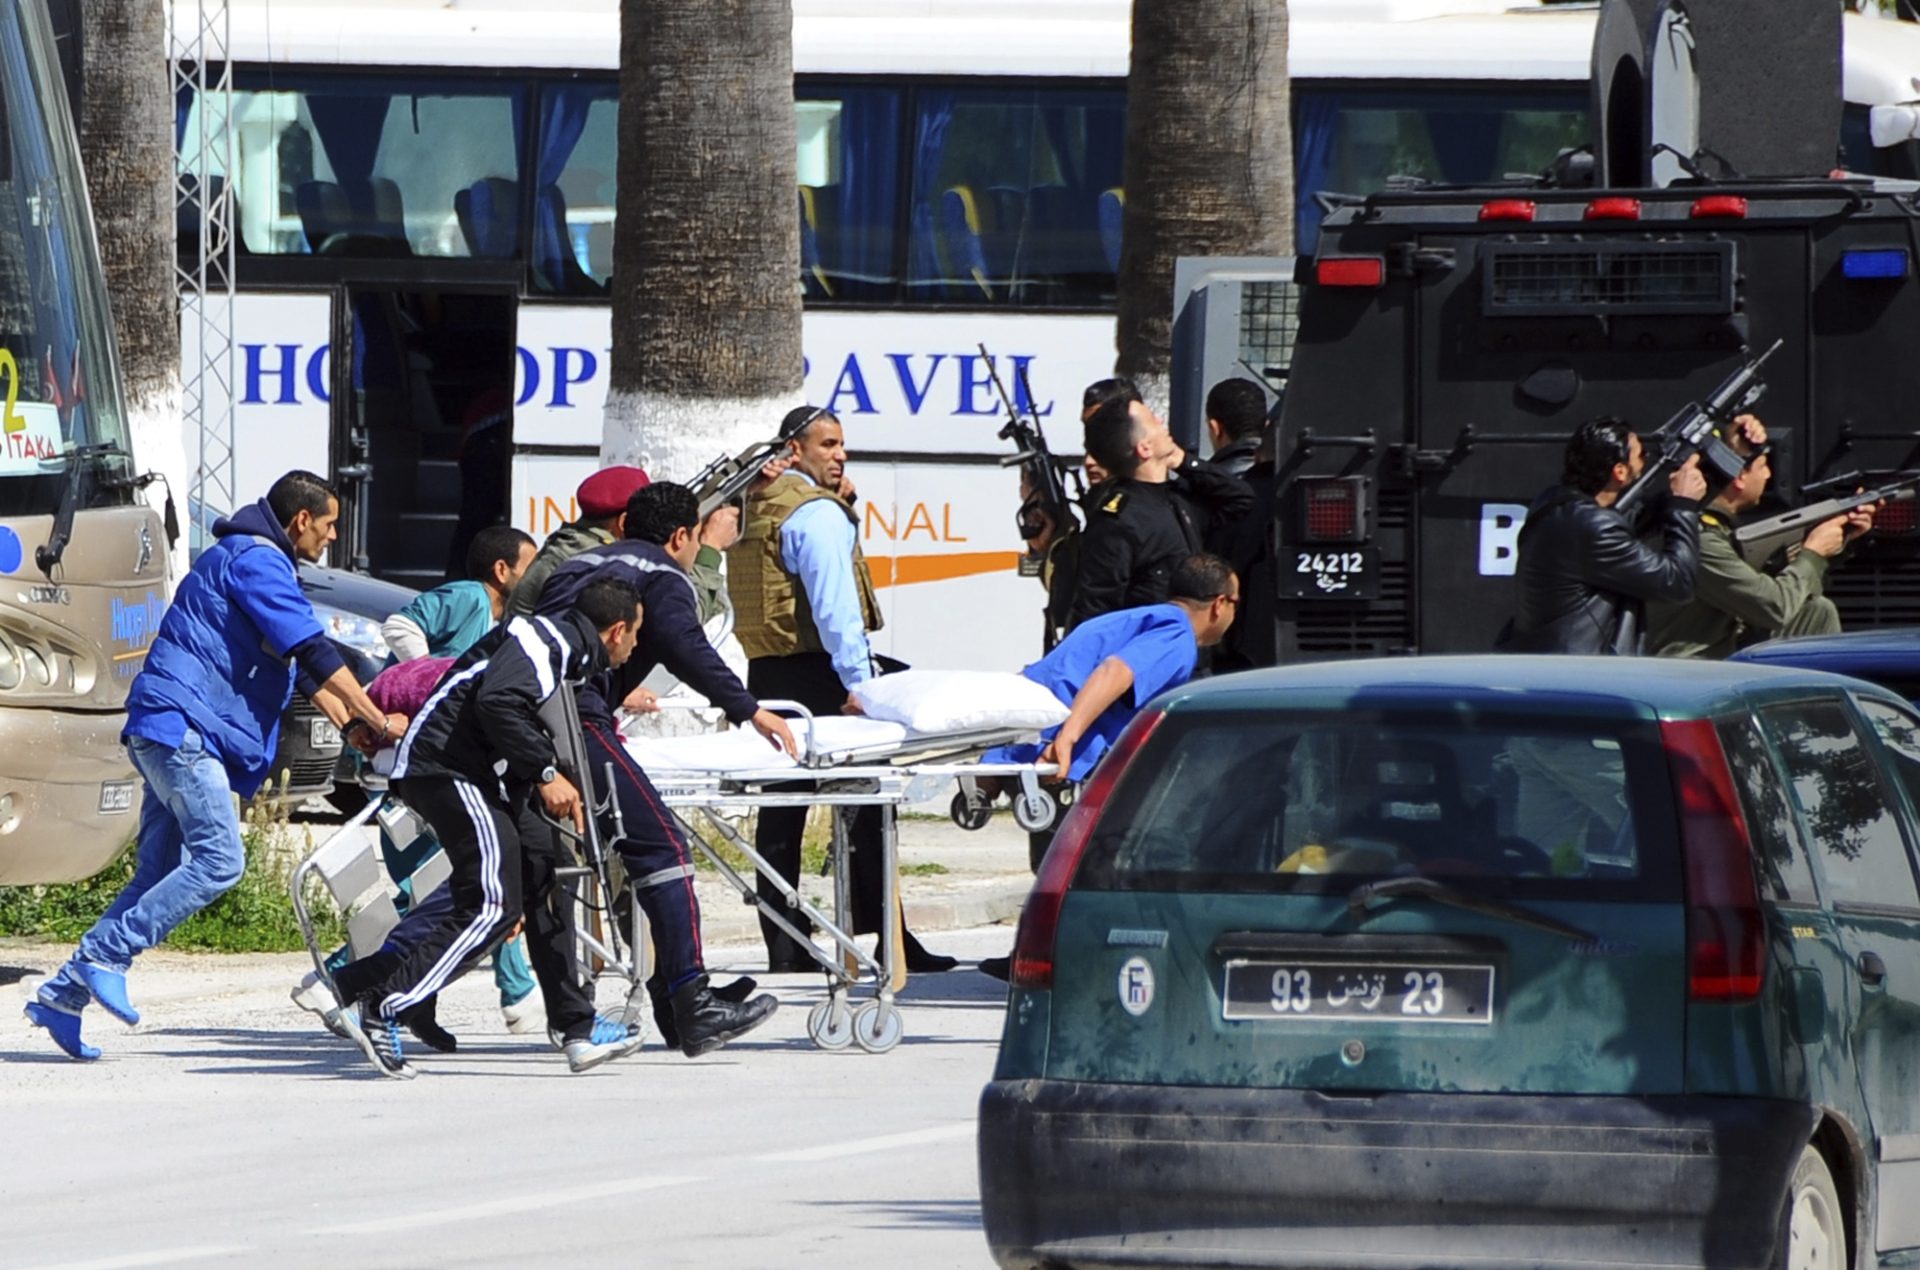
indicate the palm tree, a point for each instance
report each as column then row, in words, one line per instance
column 1209, row 167
column 706, row 252
column 126, row 147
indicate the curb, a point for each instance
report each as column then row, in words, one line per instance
column 999, row 901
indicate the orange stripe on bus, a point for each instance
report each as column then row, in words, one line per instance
column 907, row 570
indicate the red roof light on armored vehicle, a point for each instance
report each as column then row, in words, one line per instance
column 1508, row 209
column 1614, row 209
column 1731, row 206
column 1350, row 271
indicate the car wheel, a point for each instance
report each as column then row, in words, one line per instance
column 1815, row 1237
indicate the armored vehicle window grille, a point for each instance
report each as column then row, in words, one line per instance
column 1269, row 317
column 1382, row 625
column 1549, row 279
column 1877, row 593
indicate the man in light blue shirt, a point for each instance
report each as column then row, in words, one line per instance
column 804, row 605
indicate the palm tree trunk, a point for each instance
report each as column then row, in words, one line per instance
column 1209, row 167
column 126, row 146
column 706, row 252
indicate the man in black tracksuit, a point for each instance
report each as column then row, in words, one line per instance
column 662, row 523
column 481, row 767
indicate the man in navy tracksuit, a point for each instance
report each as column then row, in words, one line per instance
column 480, row 765
column 202, row 721
column 662, row 526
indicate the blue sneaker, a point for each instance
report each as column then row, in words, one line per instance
column 379, row 1039
column 109, row 988
column 608, row 1029
column 63, row 1025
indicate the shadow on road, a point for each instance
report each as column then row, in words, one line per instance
column 913, row 1214
column 14, row 974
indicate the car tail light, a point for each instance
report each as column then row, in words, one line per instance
column 1040, row 919
column 1614, row 209
column 1726, row 935
column 1333, row 508
column 1351, row 271
column 1731, row 206
column 1507, row 209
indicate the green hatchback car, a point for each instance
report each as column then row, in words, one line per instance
column 1494, row 961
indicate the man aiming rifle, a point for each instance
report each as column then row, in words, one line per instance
column 1736, row 603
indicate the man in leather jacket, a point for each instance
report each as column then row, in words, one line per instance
column 1585, row 574
column 1236, row 417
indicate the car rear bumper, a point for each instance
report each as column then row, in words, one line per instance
column 1090, row 1175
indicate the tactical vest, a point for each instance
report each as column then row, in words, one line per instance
column 772, row 615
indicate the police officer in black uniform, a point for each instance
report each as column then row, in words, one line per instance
column 1160, row 507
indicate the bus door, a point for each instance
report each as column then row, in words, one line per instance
column 422, row 423
column 1488, row 431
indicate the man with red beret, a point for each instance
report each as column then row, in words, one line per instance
column 602, row 502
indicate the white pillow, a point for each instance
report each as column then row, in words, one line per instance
column 960, row 700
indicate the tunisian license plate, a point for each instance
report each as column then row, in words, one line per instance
column 1390, row 992
column 322, row 734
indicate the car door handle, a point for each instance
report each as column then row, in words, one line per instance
column 1873, row 971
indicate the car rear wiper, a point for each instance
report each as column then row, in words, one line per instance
column 1360, row 901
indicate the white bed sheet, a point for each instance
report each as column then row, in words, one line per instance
column 744, row 750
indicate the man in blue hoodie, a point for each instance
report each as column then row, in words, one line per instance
column 203, row 717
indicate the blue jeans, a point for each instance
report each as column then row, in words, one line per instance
column 190, row 855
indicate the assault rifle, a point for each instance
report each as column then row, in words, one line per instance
column 728, row 477
column 1702, row 428
column 1760, row 541
column 1046, row 475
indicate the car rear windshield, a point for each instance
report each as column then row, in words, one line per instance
column 1322, row 800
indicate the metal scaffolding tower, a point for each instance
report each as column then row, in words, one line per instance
column 200, row 34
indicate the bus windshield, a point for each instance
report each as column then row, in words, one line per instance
column 56, row 352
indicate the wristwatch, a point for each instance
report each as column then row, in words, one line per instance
column 549, row 774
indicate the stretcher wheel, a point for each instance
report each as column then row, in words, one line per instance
column 971, row 812
column 877, row 1027
column 1034, row 812
column 830, row 1025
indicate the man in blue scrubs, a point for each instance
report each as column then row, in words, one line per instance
column 1108, row 667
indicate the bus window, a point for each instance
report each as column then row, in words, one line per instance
column 849, row 192
column 375, row 167
column 1009, row 189
column 1351, row 139
column 574, row 188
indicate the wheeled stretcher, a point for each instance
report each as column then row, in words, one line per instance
column 844, row 763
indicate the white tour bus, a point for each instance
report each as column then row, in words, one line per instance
column 425, row 196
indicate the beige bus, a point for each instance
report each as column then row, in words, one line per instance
column 83, row 561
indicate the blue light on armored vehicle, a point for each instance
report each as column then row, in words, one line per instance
column 1874, row 262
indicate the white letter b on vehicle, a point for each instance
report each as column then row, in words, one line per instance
column 1500, row 538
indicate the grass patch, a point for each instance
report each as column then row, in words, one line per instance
column 255, row 916
column 924, row 869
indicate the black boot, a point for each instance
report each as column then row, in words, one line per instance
column 703, row 1021
column 732, row 993
column 425, row 1026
